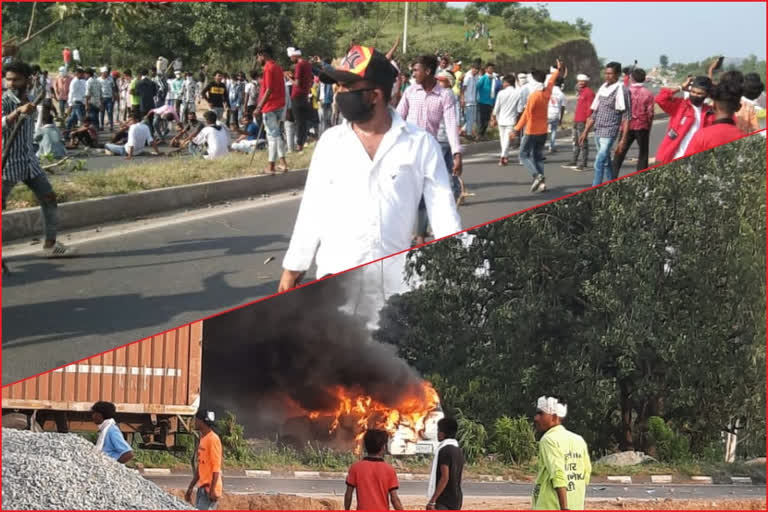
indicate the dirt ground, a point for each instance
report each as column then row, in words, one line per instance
column 291, row 502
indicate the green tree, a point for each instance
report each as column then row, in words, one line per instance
column 471, row 13
column 664, row 62
column 633, row 301
column 584, row 27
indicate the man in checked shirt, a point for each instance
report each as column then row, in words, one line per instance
column 426, row 104
column 22, row 164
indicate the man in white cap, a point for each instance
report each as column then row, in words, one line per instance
column 108, row 95
column 175, row 87
column 581, row 114
column 564, row 465
column 61, row 90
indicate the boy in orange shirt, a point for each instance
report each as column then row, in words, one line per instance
column 534, row 120
column 207, row 476
column 374, row 481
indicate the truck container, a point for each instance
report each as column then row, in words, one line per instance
column 154, row 383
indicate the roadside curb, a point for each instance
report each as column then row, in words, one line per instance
column 423, row 477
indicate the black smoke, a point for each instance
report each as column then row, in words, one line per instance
column 275, row 359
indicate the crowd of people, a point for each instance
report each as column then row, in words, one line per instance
column 287, row 110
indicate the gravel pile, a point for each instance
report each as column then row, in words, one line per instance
column 64, row 471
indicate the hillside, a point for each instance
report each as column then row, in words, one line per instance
column 224, row 35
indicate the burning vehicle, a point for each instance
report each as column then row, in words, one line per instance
column 411, row 423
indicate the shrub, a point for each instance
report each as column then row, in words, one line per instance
column 472, row 438
column 232, row 440
column 513, row 440
column 670, row 445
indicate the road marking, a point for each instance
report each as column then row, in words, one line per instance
column 702, row 479
column 661, row 479
column 256, row 473
column 156, row 471
column 620, row 479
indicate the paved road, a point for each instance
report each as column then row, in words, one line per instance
column 238, row 484
column 134, row 280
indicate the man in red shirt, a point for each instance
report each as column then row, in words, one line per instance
column 371, row 479
column 66, row 54
column 640, row 123
column 726, row 96
column 686, row 116
column 300, row 103
column 271, row 104
column 585, row 99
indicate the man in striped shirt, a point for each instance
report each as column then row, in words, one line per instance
column 426, row 104
column 21, row 163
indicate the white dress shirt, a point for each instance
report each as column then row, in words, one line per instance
column 76, row 91
column 356, row 210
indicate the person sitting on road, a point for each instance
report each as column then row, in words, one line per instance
column 214, row 136
column 138, row 138
column 187, row 131
column 161, row 119
column 87, row 135
column 110, row 440
column 48, row 139
column 249, row 133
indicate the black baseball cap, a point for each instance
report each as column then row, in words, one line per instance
column 362, row 63
column 702, row 82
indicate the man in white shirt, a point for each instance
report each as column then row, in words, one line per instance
column 505, row 114
column 555, row 113
column 139, row 136
column 108, row 94
column 214, row 136
column 76, row 99
column 93, row 97
column 365, row 181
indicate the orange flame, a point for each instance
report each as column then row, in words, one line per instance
column 411, row 412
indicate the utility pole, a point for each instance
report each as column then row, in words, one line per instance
column 405, row 29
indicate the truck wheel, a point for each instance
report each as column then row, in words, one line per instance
column 16, row 420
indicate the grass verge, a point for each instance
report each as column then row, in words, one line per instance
column 158, row 173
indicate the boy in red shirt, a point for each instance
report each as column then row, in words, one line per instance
column 271, row 104
column 374, row 481
column 726, row 97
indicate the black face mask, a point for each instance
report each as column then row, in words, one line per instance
column 353, row 108
column 697, row 101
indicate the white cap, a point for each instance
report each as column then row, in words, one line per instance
column 62, row 69
column 103, row 69
column 293, row 52
column 446, row 75
column 550, row 405
column 582, row 78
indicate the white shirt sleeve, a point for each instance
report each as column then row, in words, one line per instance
column 438, row 195
column 306, row 233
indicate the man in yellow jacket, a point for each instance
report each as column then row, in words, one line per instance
column 564, row 465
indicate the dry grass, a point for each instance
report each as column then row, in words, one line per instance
column 161, row 172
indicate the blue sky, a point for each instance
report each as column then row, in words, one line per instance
column 686, row 32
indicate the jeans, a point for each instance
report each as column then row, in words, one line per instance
column 219, row 111
column 422, row 220
column 233, row 116
column 301, row 109
column 578, row 129
column 109, row 110
column 93, row 114
column 290, row 135
column 45, row 195
column 203, row 502
column 485, row 117
column 531, row 149
column 470, row 115
column 77, row 116
column 325, row 113
column 504, row 132
column 275, row 143
column 603, row 167
column 553, row 124
column 117, row 149
column 62, row 107
column 643, row 138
